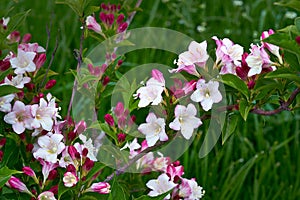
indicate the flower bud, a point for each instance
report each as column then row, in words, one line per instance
column 1, row 155
column 121, row 137
column 105, row 80
column 50, row 84
column 88, row 165
column 92, row 24
column 85, row 152
column 26, row 38
column 298, row 39
column 2, row 142
column 110, row 18
column 52, row 174
column 29, row 86
column 29, row 147
column 4, row 65
column 120, row 19
column 71, row 168
column 40, row 60
column 80, row 127
column 109, row 120
column 54, row 189
column 102, row 17
column 101, row 188
column 122, row 27
column 72, row 151
column 71, row 135
column 14, row 37
column 28, row 171
column 17, row 184
column 120, row 62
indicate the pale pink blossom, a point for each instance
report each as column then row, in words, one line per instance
column 161, row 163
column 189, row 190
column 156, row 74
column 5, row 21
column 31, row 47
column 196, row 55
column 43, row 115
column 207, row 94
column 23, row 62
column 151, row 93
column 17, row 81
column 185, row 120
column 70, row 179
column 101, row 188
column 92, row 24
column 49, row 146
column 132, row 146
column 154, row 129
column 47, row 168
column 145, row 161
column 47, row 195
column 65, row 159
column 160, row 185
column 257, row 60
column 229, row 54
column 88, row 144
column 5, row 105
column 272, row 48
column 20, row 117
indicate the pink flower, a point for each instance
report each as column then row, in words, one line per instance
column 80, row 127
column 5, row 105
column 257, row 60
column 174, row 172
column 160, row 185
column 20, row 117
column 161, row 163
column 272, row 48
column 47, row 168
column 17, row 184
column 70, row 179
column 189, row 189
column 157, row 75
column 196, row 55
column 229, row 54
column 17, row 81
column 154, row 129
column 101, row 188
column 47, row 195
column 23, row 62
column 31, row 47
column 109, row 120
column 92, row 24
column 185, row 120
column 207, row 94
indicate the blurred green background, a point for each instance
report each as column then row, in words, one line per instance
column 261, row 160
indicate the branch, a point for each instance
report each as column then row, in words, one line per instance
column 132, row 14
column 283, row 105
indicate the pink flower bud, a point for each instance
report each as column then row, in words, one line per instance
column 71, row 168
column 72, row 151
column 70, row 179
column 105, row 80
column 101, row 188
column 14, row 36
column 110, row 18
column 29, row 147
column 298, row 39
column 121, row 137
column 80, row 127
column 54, row 189
column 52, row 174
column 109, row 120
column 102, row 17
column 2, row 142
column 119, row 7
column 85, row 152
column 4, row 65
column 120, row 62
column 50, row 84
column 40, row 60
column 122, row 27
column 88, row 165
column 103, row 6
column 103, row 69
column 119, row 109
column 29, row 86
column 92, row 24
column 28, row 171
column 1, row 155
column 90, row 68
column 20, row 94
column 26, row 38
column 17, row 184
column 251, row 84
column 157, row 75
column 120, row 19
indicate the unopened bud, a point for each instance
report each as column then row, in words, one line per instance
column 50, row 84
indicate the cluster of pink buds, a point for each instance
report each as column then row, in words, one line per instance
column 2, row 143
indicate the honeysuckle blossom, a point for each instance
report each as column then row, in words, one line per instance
column 20, row 117
column 151, row 93
column 5, row 105
column 145, row 162
column 31, row 47
column 92, row 24
column 17, row 81
column 257, row 60
column 47, row 195
column 23, row 62
column 29, row 172
column 272, row 48
column 160, row 185
column 161, row 163
column 154, row 129
column 49, row 146
column 101, row 188
column 17, row 184
column 185, row 120
column 132, row 146
column 174, row 171
column 189, row 189
column 5, row 21
column 207, row 94
column 196, row 55
column 65, row 159
column 229, row 54
column 47, row 168
column 70, row 179
column 88, row 144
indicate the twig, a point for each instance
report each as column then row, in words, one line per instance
column 283, row 106
column 132, row 14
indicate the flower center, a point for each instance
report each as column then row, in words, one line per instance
column 207, row 94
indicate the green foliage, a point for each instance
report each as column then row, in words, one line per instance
column 5, row 174
column 235, row 82
column 7, row 89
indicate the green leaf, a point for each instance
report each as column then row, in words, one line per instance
column 235, row 82
column 297, row 22
column 295, row 4
column 5, row 174
column 290, row 29
column 285, row 41
column 8, row 89
column 117, row 191
column 284, row 73
column 232, row 121
column 62, row 189
column 244, row 108
column 97, row 167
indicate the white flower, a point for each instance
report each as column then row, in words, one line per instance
column 185, row 120
column 20, row 117
column 89, row 145
column 23, row 62
column 49, row 146
column 70, row 179
column 5, row 105
column 160, row 185
column 17, row 81
column 154, row 129
column 132, row 146
column 65, row 159
column 5, row 21
column 150, row 93
column 207, row 94
column 196, row 54
column 47, row 195
column 42, row 115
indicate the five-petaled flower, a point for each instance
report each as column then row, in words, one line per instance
column 160, row 185
column 185, row 120
column 23, row 62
